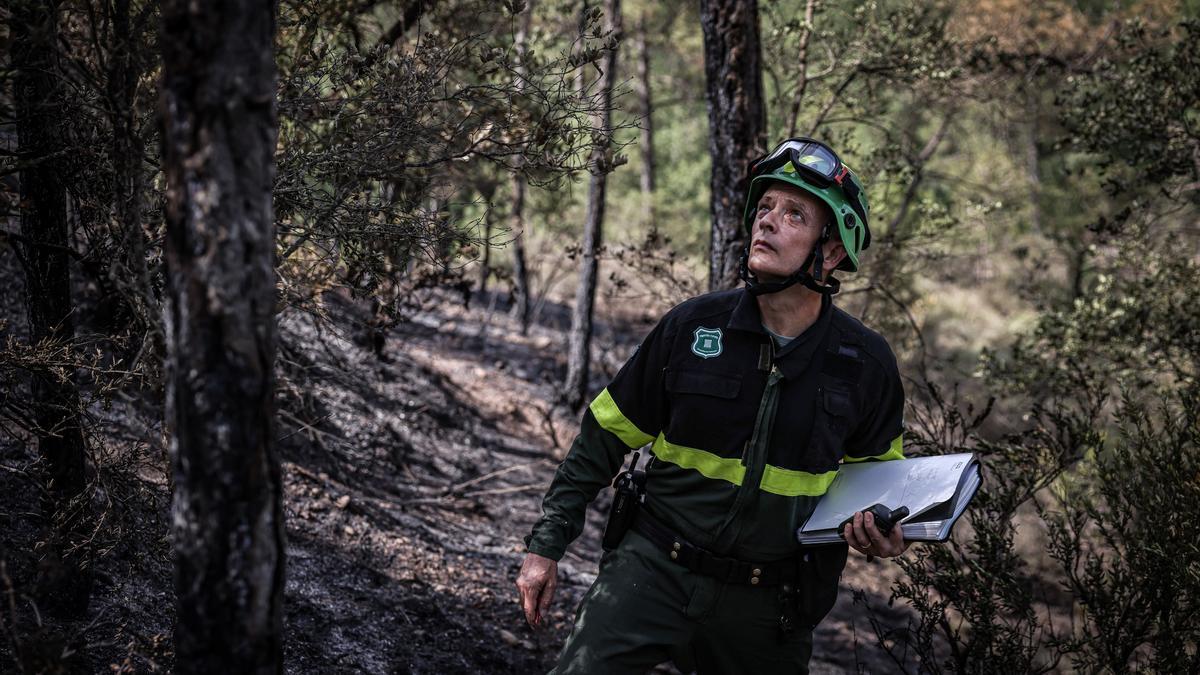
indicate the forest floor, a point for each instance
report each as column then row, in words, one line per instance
column 411, row 474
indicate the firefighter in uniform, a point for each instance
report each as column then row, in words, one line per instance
column 750, row 399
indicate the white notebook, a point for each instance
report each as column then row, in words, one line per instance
column 935, row 489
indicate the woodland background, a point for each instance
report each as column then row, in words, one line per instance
column 404, row 242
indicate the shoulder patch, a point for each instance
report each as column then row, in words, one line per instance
column 706, row 342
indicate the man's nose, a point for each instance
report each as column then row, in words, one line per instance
column 767, row 220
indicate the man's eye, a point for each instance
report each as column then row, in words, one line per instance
column 797, row 214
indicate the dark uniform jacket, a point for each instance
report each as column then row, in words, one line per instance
column 745, row 436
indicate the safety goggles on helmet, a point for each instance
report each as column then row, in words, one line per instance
column 816, row 163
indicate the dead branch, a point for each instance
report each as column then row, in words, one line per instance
column 833, row 99
column 488, row 476
column 918, row 163
column 803, row 59
column 547, row 419
column 506, row 490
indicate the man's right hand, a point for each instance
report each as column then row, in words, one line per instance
column 537, row 582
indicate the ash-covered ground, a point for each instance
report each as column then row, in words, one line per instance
column 413, row 467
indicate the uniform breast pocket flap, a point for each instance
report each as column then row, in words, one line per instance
column 838, row 407
column 703, row 383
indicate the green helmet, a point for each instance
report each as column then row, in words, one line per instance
column 823, row 175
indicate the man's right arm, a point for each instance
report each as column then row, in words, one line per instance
column 589, row 466
column 626, row 415
column 622, row 417
column 593, row 461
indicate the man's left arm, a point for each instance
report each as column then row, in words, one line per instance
column 878, row 437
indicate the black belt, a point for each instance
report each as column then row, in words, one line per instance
column 702, row 561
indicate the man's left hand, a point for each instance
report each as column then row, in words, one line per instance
column 865, row 538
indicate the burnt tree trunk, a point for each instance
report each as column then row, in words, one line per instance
column 520, row 269
column 646, row 138
column 487, row 191
column 485, row 263
column 65, row 575
column 219, row 130
column 517, row 210
column 736, row 123
column 580, row 338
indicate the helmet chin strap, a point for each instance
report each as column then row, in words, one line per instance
column 811, row 281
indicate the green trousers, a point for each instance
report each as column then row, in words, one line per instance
column 645, row 609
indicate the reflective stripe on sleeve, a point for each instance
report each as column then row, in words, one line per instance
column 610, row 417
column 896, row 451
column 791, row 483
column 710, row 465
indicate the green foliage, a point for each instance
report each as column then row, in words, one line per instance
column 977, row 598
column 1105, row 459
column 1119, row 529
column 377, row 141
column 1138, row 332
column 1139, row 108
column 1125, row 540
column 678, row 207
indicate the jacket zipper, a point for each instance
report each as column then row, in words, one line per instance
column 771, row 369
column 754, row 454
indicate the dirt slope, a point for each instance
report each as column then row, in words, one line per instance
column 447, row 472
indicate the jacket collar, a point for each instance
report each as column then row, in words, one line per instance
column 795, row 357
column 746, row 315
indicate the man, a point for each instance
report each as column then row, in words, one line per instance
column 751, row 399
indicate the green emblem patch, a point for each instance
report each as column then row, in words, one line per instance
column 707, row 342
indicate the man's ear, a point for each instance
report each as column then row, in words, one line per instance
column 834, row 253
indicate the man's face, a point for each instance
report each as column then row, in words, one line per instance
column 787, row 223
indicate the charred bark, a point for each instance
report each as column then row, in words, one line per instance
column 520, row 307
column 65, row 575
column 220, row 125
column 736, row 122
column 580, row 338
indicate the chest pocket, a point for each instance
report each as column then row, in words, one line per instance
column 703, row 383
column 838, row 408
column 835, row 414
column 704, row 413
column 836, row 405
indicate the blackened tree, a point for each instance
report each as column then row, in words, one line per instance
column 736, row 121
column 220, row 125
column 603, row 161
column 43, row 213
column 517, row 203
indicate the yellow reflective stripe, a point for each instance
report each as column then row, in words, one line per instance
column 708, row 464
column 790, row 483
column 610, row 417
column 896, row 451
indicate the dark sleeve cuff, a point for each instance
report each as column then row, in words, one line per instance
column 542, row 542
